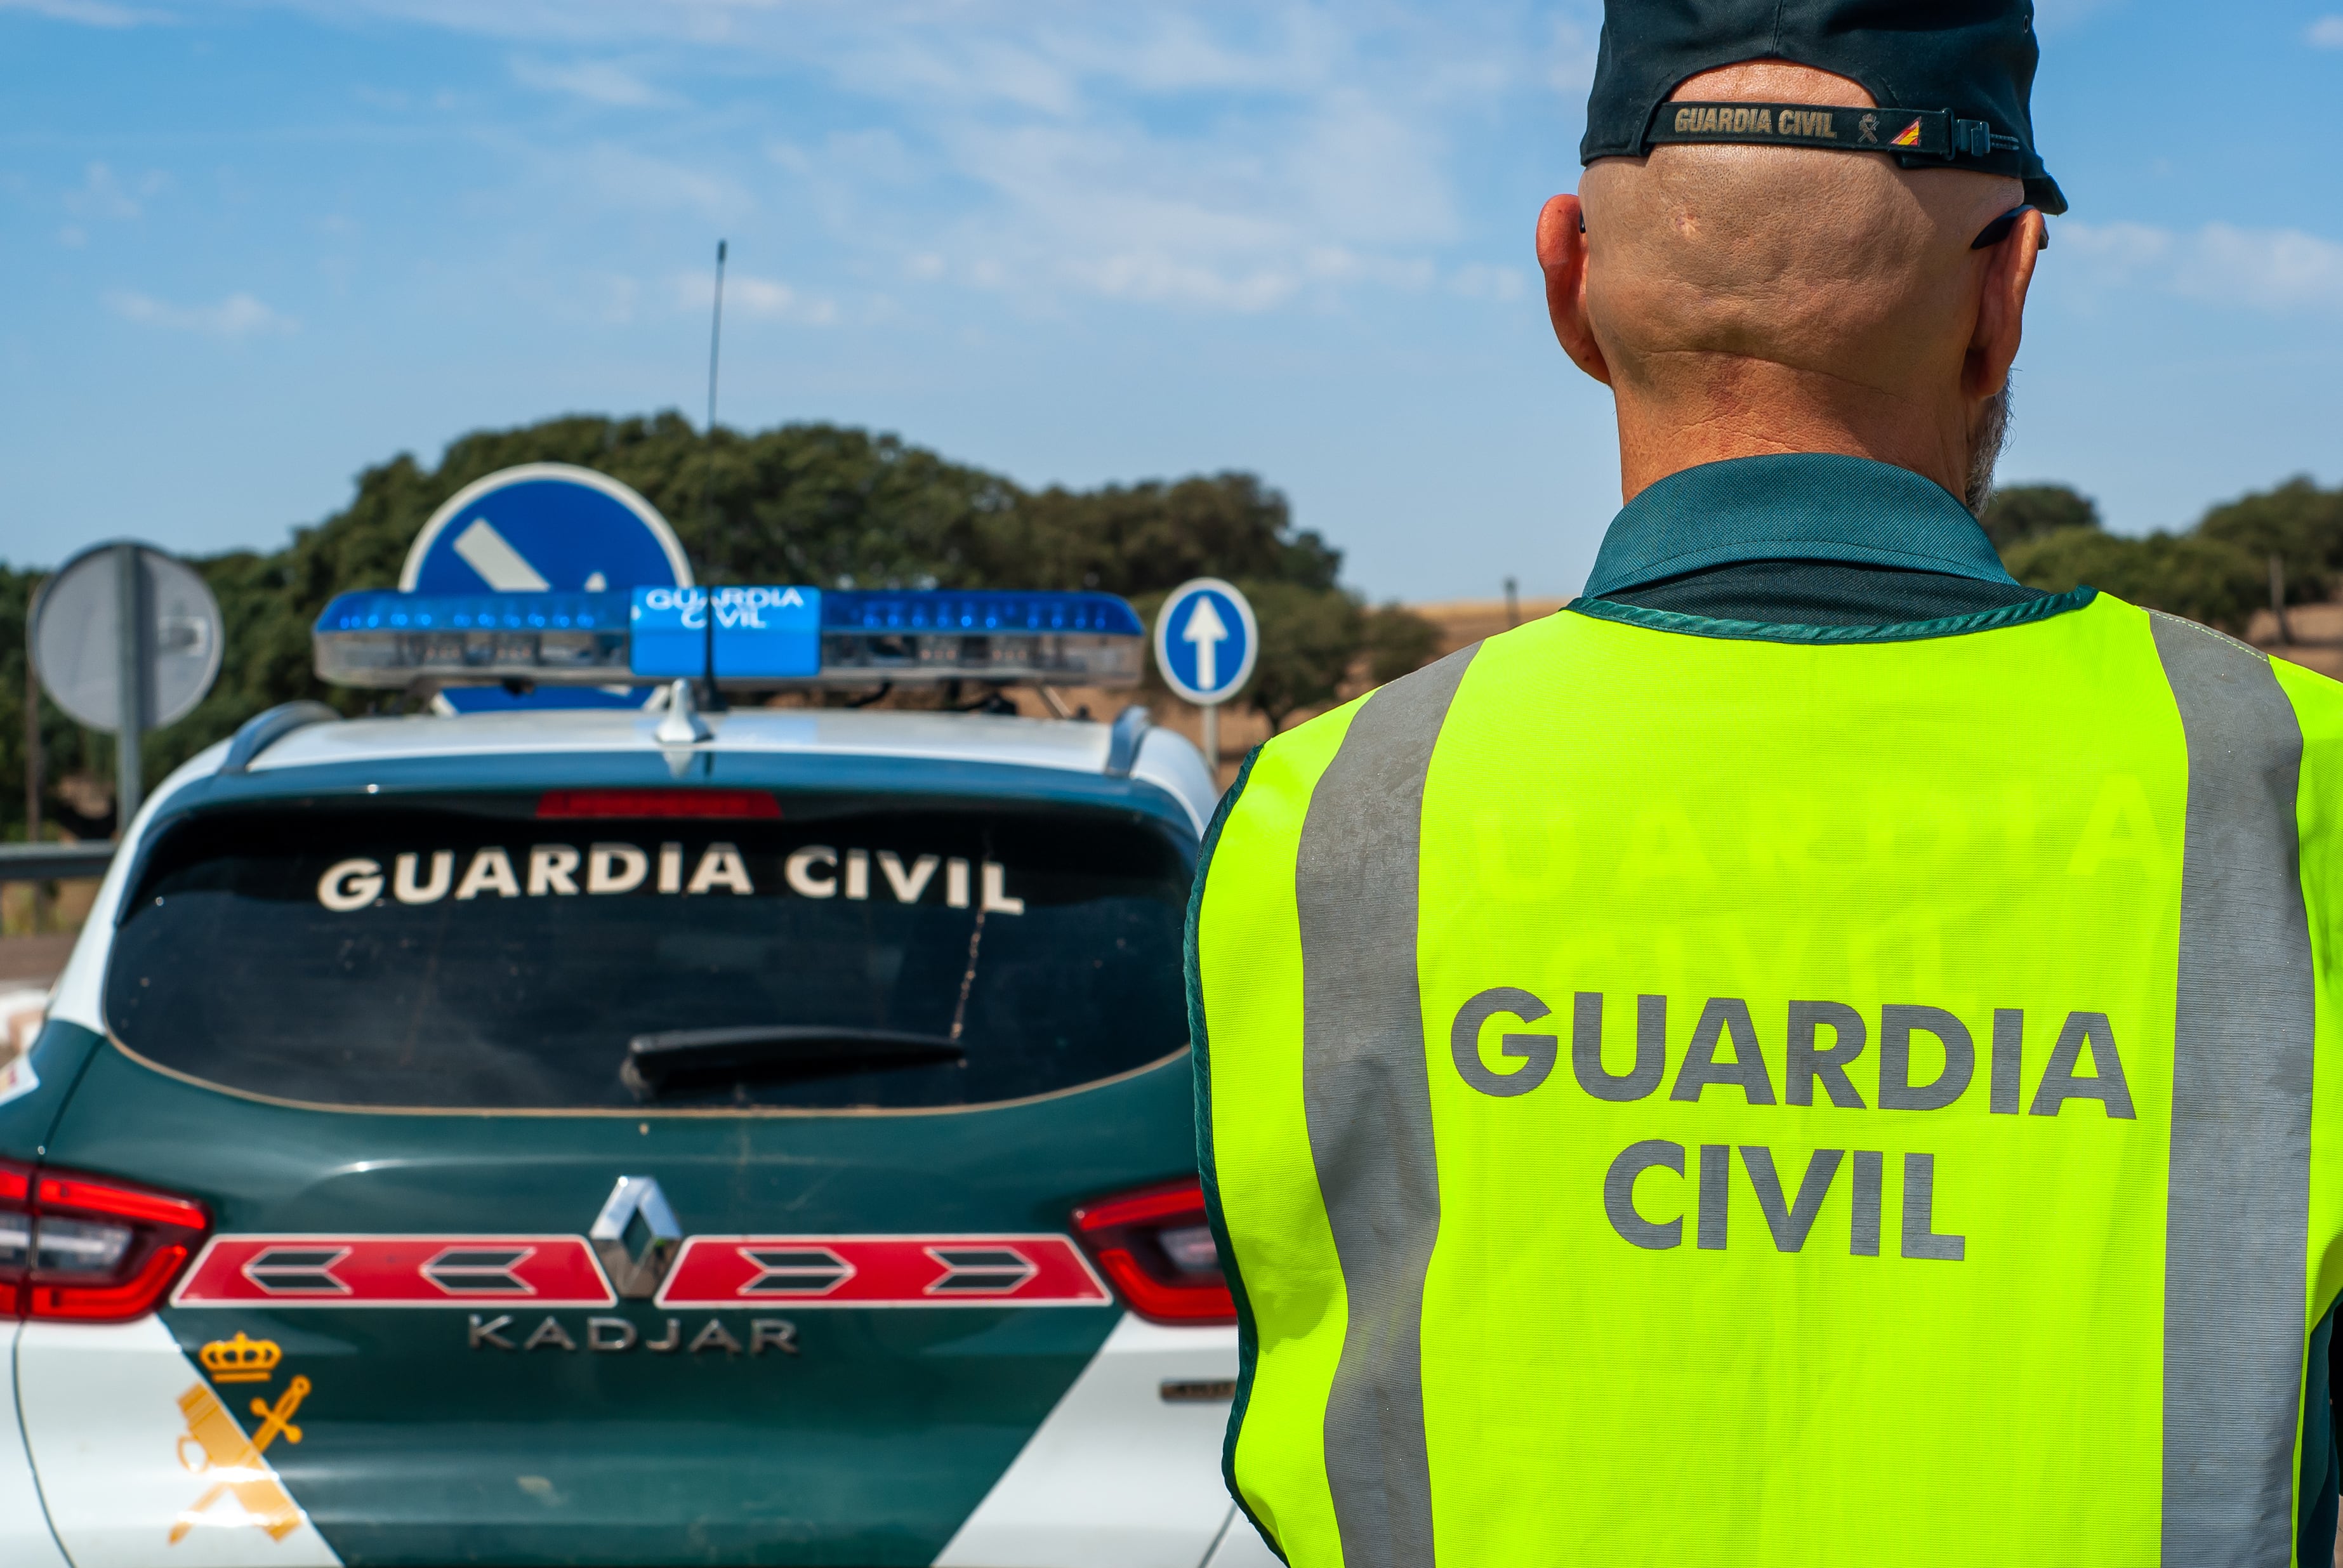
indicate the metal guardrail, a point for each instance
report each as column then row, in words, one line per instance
column 49, row 862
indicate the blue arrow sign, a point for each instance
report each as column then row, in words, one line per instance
column 545, row 526
column 1206, row 640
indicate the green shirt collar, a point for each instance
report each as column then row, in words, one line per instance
column 1804, row 506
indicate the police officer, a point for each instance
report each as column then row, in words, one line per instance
column 1817, row 1053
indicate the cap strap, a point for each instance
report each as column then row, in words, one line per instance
column 1911, row 133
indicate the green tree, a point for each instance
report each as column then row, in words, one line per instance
column 2021, row 512
column 1135, row 539
column 66, row 747
column 1309, row 637
column 2298, row 522
column 1397, row 642
column 821, row 504
column 2206, row 579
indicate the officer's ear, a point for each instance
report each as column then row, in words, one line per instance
column 1562, row 256
column 2001, row 305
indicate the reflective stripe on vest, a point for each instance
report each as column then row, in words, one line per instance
column 2238, row 1207
column 1717, row 1101
column 1368, row 1105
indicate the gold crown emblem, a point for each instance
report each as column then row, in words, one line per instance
column 241, row 1360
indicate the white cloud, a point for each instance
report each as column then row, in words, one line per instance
column 756, row 298
column 89, row 13
column 2327, row 33
column 1570, row 59
column 1187, row 152
column 237, row 316
column 617, row 296
column 105, row 195
column 1340, row 262
column 859, row 157
column 2276, row 269
column 2283, row 271
column 1169, row 52
column 620, row 176
column 1480, row 280
column 1156, row 279
column 595, row 81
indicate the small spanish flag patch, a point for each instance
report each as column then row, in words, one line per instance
column 1909, row 137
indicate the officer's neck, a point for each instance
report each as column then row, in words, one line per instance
column 1732, row 406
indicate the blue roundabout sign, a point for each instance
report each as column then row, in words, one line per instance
column 545, row 526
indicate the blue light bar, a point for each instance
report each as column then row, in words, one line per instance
column 764, row 637
column 947, row 634
column 377, row 637
column 883, row 611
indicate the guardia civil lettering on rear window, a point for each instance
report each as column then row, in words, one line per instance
column 1892, row 1058
column 601, row 869
column 467, row 952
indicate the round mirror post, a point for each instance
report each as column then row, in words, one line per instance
column 33, row 769
column 130, row 631
column 126, row 640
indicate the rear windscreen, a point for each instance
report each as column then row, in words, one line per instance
column 476, row 957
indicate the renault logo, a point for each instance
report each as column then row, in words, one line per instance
column 635, row 1236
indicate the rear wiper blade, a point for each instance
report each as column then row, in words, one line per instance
column 773, row 1050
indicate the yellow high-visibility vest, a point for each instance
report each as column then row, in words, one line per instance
column 1710, row 1099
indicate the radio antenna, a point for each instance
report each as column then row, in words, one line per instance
column 716, row 334
column 707, row 466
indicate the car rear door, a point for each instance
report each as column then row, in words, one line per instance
column 832, row 1264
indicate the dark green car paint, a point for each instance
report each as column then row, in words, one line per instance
column 58, row 1054
column 419, row 1450
column 869, row 1447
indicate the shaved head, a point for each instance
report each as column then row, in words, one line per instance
column 1742, row 299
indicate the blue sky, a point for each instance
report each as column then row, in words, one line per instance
column 248, row 248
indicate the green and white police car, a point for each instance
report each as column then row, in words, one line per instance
column 632, row 1136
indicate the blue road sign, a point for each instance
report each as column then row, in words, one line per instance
column 545, row 526
column 1206, row 640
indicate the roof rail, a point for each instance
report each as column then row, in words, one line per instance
column 1122, row 742
column 263, row 730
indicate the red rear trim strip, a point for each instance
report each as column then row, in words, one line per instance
column 475, row 1272
column 795, row 1273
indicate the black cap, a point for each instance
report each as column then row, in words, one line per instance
column 1951, row 79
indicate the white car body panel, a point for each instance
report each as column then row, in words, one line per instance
column 24, row 1538
column 1116, row 1474
column 102, row 1407
column 1164, row 760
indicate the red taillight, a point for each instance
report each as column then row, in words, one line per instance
column 731, row 803
column 1157, row 1248
column 90, row 1251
